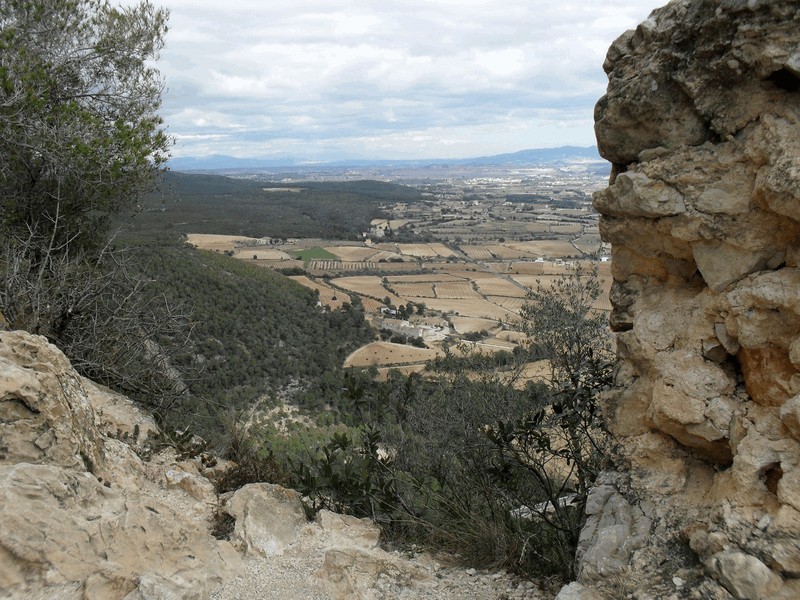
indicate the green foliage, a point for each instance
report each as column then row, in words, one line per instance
column 78, row 101
column 471, row 463
column 315, row 253
column 256, row 333
column 214, row 204
column 347, row 475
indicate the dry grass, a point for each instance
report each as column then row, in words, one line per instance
column 511, row 304
column 219, row 243
column 495, row 286
column 414, row 290
column 548, row 248
column 470, row 307
column 352, row 253
column 367, row 285
column 455, row 289
column 261, row 253
column 386, row 353
column 464, row 325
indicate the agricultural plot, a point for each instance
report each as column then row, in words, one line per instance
column 537, row 227
column 455, row 289
column 510, row 304
column 442, row 250
column 496, row 286
column 526, row 268
column 367, row 285
column 386, row 353
column 352, row 253
column 280, row 264
column 433, row 277
column 477, row 252
column 327, row 295
column 394, row 267
column 550, row 248
column 601, row 303
column 420, row 250
column 534, row 281
column 371, row 305
column 470, row 307
column 385, row 255
column 464, row 325
column 505, row 252
column 570, row 229
column 458, row 269
column 218, row 243
column 414, row 290
column 315, row 253
column 588, row 243
column 494, row 344
column 261, row 253
column 337, row 265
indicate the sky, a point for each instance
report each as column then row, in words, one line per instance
column 326, row 80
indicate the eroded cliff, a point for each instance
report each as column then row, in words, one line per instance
column 701, row 121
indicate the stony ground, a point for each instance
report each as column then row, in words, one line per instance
column 291, row 577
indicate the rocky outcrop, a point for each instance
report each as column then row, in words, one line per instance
column 82, row 515
column 702, row 124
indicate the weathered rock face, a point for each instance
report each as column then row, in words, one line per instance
column 702, row 123
column 81, row 516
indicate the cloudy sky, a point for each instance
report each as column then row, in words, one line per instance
column 327, row 79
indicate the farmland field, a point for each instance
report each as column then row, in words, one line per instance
column 414, row 290
column 455, row 290
column 315, row 253
column 367, row 285
column 218, row 243
column 494, row 286
column 424, row 278
column 386, row 353
column 352, row 253
column 548, row 248
column 476, row 307
column 261, row 253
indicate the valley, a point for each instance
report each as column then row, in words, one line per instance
column 450, row 266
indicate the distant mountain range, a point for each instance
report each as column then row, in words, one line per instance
column 535, row 156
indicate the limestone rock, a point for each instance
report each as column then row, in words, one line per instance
column 45, row 414
column 80, row 518
column 355, row 573
column 746, row 577
column 577, row 591
column 701, row 121
column 268, row 517
column 614, row 530
column 197, row 487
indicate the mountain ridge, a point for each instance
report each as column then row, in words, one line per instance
column 531, row 156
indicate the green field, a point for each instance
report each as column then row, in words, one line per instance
column 315, row 253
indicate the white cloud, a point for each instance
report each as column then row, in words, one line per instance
column 341, row 78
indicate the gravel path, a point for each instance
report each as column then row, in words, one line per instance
column 292, row 577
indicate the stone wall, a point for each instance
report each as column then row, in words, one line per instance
column 701, row 122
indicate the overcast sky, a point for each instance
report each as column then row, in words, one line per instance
column 327, row 79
